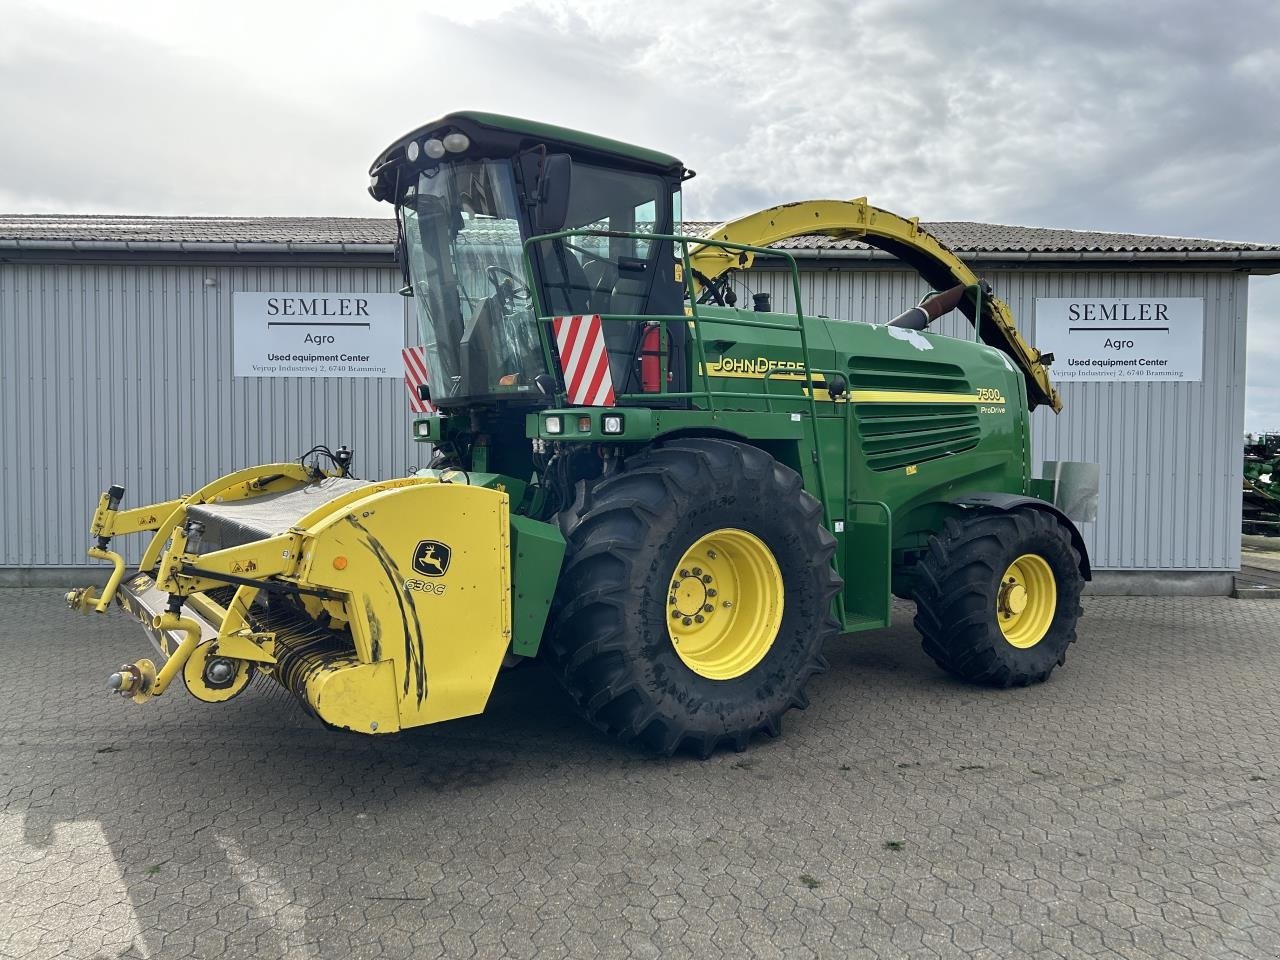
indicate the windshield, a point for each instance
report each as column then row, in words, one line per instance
column 466, row 271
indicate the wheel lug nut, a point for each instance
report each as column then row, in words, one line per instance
column 688, row 621
column 697, row 571
column 671, row 600
column 711, row 555
column 707, row 608
column 706, row 578
column 675, row 614
column 684, row 573
column 711, row 593
column 699, row 618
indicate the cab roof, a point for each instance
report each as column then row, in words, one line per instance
column 516, row 133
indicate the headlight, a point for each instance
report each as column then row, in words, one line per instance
column 433, row 148
column 553, row 424
column 611, row 423
column 411, row 151
column 456, row 142
column 584, row 424
column 422, row 428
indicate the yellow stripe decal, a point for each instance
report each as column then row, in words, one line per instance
column 860, row 396
column 913, row 396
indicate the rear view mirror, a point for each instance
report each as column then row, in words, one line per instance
column 553, row 193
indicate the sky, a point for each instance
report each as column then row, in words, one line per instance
column 1148, row 116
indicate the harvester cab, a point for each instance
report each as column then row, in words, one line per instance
column 470, row 193
column 674, row 501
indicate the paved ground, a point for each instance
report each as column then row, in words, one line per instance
column 1126, row 809
column 1261, row 552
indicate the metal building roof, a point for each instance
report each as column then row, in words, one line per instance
column 374, row 235
column 44, row 230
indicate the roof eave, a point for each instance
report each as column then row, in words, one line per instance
column 244, row 248
column 1261, row 262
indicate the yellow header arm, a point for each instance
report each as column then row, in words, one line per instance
column 904, row 239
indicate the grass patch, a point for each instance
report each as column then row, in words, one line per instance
column 895, row 844
column 811, row 882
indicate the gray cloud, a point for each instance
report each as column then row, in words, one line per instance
column 1159, row 117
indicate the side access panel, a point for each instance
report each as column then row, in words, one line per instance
column 867, row 566
column 537, row 550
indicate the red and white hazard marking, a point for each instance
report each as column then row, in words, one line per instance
column 415, row 373
column 584, row 360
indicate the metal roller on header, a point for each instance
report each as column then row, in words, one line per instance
column 675, row 502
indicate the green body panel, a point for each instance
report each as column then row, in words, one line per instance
column 1043, row 488
column 646, row 423
column 537, row 550
column 866, row 546
column 913, row 457
column 926, row 420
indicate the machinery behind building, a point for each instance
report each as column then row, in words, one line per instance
column 1261, row 507
column 675, row 501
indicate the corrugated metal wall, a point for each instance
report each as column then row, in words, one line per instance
column 1169, row 452
column 122, row 373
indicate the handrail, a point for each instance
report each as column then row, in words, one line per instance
column 706, row 394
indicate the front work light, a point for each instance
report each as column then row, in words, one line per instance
column 456, row 142
column 411, row 151
column 611, row 423
column 433, row 148
column 422, row 428
column 553, row 424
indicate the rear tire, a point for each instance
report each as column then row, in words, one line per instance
column 998, row 596
column 619, row 615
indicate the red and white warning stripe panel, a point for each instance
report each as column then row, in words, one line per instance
column 415, row 373
column 584, row 361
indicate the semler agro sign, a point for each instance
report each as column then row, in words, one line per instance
column 1123, row 338
column 298, row 334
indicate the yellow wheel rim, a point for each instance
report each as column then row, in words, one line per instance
column 724, row 604
column 1026, row 601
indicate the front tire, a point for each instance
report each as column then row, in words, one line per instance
column 998, row 596
column 695, row 599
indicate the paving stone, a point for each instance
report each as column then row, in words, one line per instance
column 1128, row 808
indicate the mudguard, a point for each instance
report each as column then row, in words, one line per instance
column 1005, row 502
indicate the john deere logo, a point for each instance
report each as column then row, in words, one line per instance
column 432, row 557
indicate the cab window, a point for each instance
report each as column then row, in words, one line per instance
column 605, row 274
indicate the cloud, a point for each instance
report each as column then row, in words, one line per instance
column 1160, row 117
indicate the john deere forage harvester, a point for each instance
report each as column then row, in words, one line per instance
column 675, row 502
